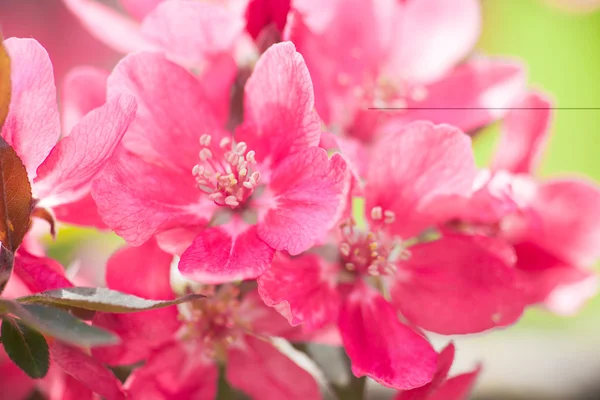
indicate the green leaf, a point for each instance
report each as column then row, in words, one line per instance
column 26, row 347
column 101, row 299
column 59, row 324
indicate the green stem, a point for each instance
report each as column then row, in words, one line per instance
column 224, row 391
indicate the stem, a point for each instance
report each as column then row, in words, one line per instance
column 355, row 389
column 224, row 391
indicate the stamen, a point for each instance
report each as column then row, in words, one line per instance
column 205, row 140
column 376, row 213
column 389, row 217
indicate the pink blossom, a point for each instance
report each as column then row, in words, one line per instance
column 60, row 171
column 451, row 285
column 403, row 54
column 181, row 176
column 183, row 348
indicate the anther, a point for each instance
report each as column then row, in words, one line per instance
column 205, row 140
column 224, row 142
column 250, row 157
column 232, row 201
column 241, row 148
column 389, row 217
column 376, row 213
column 205, row 154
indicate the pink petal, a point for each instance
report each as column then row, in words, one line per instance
column 455, row 285
column 84, row 89
column 75, row 390
column 416, row 166
column 305, row 198
column 140, row 8
column 262, row 372
column 457, row 388
column 380, row 346
column 471, row 96
column 193, row 32
column 226, row 254
column 40, row 273
column 173, row 111
column 524, row 135
column 279, row 119
column 137, row 199
column 431, row 37
column 83, row 212
column 14, row 383
column 264, row 320
column 570, row 220
column 302, row 289
column 176, row 371
column 67, row 174
column 112, row 28
column 87, row 370
column 261, row 13
column 32, row 126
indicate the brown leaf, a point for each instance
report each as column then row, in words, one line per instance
column 4, row 82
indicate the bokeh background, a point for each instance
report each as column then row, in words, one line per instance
column 544, row 356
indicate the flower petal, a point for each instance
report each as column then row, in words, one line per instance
column 302, row 289
column 416, row 166
column 226, row 254
column 82, row 212
column 455, row 285
column 305, row 198
column 139, row 8
column 262, row 372
column 14, row 383
column 457, row 388
column 32, row 126
column 39, row 273
column 279, row 119
column 67, row 174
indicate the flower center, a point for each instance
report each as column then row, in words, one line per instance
column 365, row 252
column 224, row 171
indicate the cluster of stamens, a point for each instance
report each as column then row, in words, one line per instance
column 364, row 252
column 226, row 176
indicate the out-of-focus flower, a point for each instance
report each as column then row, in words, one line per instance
column 453, row 285
column 184, row 348
column 402, row 54
column 60, row 171
column 180, row 175
column 441, row 387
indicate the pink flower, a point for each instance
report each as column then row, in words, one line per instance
column 60, row 171
column 442, row 387
column 404, row 54
column 183, row 349
column 180, row 175
column 451, row 285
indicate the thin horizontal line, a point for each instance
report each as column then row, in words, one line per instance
column 485, row 108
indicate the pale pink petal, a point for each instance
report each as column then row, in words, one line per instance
column 192, row 32
column 106, row 24
column 32, row 126
column 455, row 286
column 39, row 273
column 415, row 166
column 524, row 134
column 87, row 370
column 226, row 254
column 84, row 89
column 306, row 196
column 302, row 289
column 139, row 8
column 431, row 37
column 469, row 97
column 262, row 372
column 279, row 118
column 570, row 220
column 137, row 199
column 380, row 346
column 173, row 111
column 177, row 240
column 83, row 212
column 67, row 174
column 177, row 371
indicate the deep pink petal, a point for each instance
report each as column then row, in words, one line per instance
column 415, row 166
column 306, row 196
column 524, row 134
column 137, row 199
column 83, row 212
column 471, row 96
column 67, row 174
column 176, row 371
column 106, row 24
column 262, row 372
column 139, row 8
column 380, row 346
column 226, row 254
column 302, row 289
column 39, row 273
column 261, row 13
column 87, row 370
column 279, row 118
column 173, row 111
column 569, row 220
column 32, row 126
column 84, row 89
column 431, row 37
column 14, row 383
column 193, row 32
column 456, row 388
column 455, row 285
